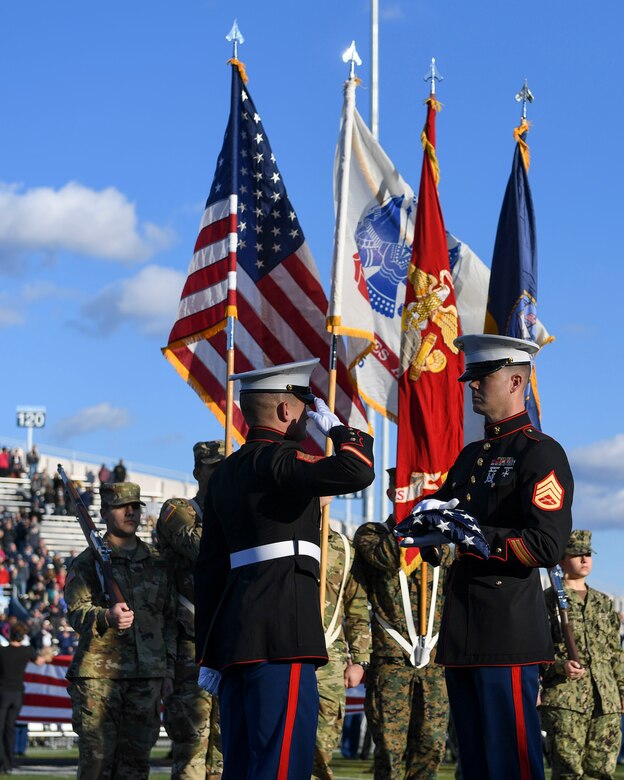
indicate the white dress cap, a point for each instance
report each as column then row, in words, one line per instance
column 488, row 352
column 287, row 378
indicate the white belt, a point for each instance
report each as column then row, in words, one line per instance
column 268, row 552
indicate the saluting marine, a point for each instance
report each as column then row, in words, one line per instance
column 191, row 715
column 125, row 660
column 258, row 617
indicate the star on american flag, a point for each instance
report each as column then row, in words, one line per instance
column 259, row 183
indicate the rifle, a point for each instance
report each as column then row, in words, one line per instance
column 556, row 579
column 112, row 591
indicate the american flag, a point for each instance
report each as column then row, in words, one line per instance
column 45, row 693
column 279, row 300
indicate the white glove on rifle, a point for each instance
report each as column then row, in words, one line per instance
column 322, row 417
column 209, row 679
column 427, row 504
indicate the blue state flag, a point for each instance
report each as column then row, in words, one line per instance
column 512, row 294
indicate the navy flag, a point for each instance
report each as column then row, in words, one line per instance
column 512, row 294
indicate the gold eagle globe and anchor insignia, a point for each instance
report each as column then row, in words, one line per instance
column 419, row 353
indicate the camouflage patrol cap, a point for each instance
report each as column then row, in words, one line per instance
column 208, row 452
column 579, row 543
column 120, row 493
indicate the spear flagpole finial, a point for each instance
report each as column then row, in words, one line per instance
column 525, row 95
column 236, row 37
column 433, row 76
column 353, row 58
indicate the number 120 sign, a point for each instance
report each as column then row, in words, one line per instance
column 31, row 417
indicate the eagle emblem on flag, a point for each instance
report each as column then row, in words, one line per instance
column 427, row 313
column 383, row 250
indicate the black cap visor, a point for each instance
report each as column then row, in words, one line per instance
column 301, row 392
column 479, row 370
column 304, row 394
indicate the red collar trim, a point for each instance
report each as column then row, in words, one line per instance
column 264, row 433
column 513, row 424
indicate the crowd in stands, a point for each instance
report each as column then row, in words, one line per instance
column 36, row 577
column 32, row 576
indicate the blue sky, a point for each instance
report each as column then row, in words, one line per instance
column 112, row 118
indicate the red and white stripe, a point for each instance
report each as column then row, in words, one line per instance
column 45, row 696
column 281, row 319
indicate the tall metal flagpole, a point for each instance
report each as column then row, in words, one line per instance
column 525, row 95
column 369, row 493
column 374, row 124
column 236, row 37
column 352, row 57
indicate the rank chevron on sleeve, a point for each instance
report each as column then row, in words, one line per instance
column 548, row 493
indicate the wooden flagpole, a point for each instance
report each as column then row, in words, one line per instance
column 331, row 403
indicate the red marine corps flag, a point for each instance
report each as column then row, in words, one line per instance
column 430, row 427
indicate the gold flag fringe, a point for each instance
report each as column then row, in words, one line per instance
column 241, row 68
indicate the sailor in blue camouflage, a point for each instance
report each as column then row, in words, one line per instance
column 348, row 638
column 125, row 660
column 581, row 703
column 191, row 714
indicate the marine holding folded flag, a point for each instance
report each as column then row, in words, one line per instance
column 257, row 602
column 518, row 486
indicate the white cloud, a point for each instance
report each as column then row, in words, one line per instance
column 10, row 314
column 37, row 291
column 598, row 506
column 152, row 297
column 77, row 219
column 149, row 299
column 601, row 461
column 103, row 416
column 598, row 470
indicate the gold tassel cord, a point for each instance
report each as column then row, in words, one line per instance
column 431, row 154
column 428, row 146
column 518, row 132
column 241, row 69
column 435, row 104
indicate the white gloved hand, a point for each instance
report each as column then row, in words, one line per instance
column 429, row 539
column 322, row 417
column 209, row 679
column 427, row 504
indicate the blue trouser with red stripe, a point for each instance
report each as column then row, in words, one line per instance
column 269, row 714
column 495, row 714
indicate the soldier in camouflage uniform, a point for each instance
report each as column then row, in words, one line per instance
column 125, row 660
column 406, row 707
column 191, row 714
column 582, row 702
column 347, row 636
